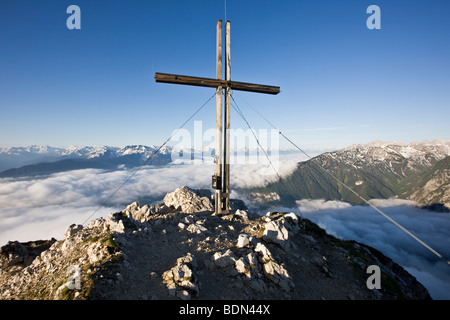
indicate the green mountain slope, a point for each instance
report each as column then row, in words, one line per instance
column 431, row 186
column 378, row 172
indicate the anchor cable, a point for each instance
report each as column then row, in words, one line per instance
column 149, row 158
column 241, row 114
column 355, row 193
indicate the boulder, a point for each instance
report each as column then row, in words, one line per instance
column 224, row 260
column 243, row 240
column 196, row 228
column 14, row 248
column 278, row 274
column 115, row 222
column 241, row 265
column 263, row 252
column 272, row 269
column 181, row 273
column 242, row 214
column 292, row 217
column 181, row 280
column 188, row 200
column 252, row 260
column 276, row 232
column 136, row 212
column 278, row 226
column 73, row 228
column 13, row 253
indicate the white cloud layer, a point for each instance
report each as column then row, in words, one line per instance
column 41, row 208
column 364, row 224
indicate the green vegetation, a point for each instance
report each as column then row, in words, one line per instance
column 381, row 181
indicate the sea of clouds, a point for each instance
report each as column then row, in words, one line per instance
column 366, row 225
column 35, row 208
column 43, row 207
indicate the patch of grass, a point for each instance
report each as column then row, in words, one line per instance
column 261, row 232
column 59, row 284
column 314, row 228
column 91, row 239
column 391, row 287
column 86, row 267
column 66, row 294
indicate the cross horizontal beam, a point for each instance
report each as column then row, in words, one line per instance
column 214, row 83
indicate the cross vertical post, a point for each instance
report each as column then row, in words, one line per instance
column 221, row 178
column 218, row 153
column 226, row 173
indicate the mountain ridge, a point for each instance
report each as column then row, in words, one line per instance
column 376, row 170
column 73, row 158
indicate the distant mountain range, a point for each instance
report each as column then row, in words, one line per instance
column 39, row 160
column 416, row 171
column 42, row 160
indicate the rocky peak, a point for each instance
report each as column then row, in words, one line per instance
column 177, row 249
column 188, row 200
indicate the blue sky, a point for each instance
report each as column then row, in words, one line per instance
column 341, row 83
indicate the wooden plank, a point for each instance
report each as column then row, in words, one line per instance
column 218, row 192
column 219, row 100
column 227, row 151
column 219, row 50
column 214, row 83
column 227, row 52
column 253, row 87
column 189, row 80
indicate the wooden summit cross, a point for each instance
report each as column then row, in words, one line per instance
column 221, row 179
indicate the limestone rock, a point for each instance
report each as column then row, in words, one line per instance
column 115, row 222
column 189, row 201
column 224, row 260
column 241, row 265
column 73, row 228
column 196, row 228
column 136, row 212
column 276, row 232
column 272, row 269
column 96, row 252
column 277, row 227
column 243, row 214
column 278, row 274
column 264, row 253
column 243, row 240
column 51, row 269
column 181, row 280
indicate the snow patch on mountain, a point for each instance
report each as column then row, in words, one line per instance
column 418, row 154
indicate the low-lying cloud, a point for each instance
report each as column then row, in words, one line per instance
column 41, row 208
column 365, row 225
column 26, row 224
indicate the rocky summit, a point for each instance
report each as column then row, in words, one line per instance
column 180, row 249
